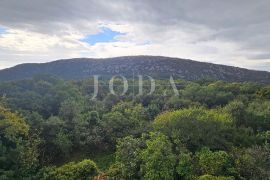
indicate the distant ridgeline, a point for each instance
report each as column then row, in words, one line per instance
column 155, row 66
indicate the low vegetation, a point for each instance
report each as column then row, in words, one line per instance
column 53, row 129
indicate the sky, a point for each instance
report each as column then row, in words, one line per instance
column 231, row 32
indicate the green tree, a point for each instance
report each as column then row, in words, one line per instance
column 264, row 93
column 83, row 170
column 18, row 151
column 254, row 162
column 158, row 159
column 52, row 147
column 116, row 125
column 185, row 167
column 70, row 112
column 89, row 133
column 258, row 115
column 63, row 143
column 210, row 177
column 214, row 163
column 237, row 110
column 125, row 119
column 196, row 127
column 128, row 156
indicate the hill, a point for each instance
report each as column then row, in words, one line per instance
column 155, row 66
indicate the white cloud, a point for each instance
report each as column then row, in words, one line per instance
column 225, row 32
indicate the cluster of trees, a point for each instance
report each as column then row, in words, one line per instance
column 195, row 143
column 53, row 129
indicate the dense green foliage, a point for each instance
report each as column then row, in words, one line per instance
column 84, row 170
column 51, row 128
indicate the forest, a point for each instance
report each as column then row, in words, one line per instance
column 52, row 129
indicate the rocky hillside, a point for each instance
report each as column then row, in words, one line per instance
column 155, row 66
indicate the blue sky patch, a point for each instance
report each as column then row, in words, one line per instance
column 2, row 30
column 106, row 35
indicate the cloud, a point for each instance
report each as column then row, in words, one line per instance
column 227, row 32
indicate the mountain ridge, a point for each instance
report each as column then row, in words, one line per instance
column 156, row 66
